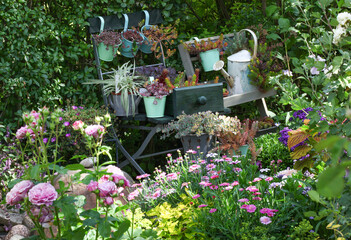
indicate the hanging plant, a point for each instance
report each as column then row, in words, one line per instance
column 109, row 38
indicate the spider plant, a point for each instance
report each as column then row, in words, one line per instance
column 121, row 82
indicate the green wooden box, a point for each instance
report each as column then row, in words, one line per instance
column 195, row 99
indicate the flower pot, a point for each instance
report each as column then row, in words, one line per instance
column 147, row 45
column 209, row 58
column 193, row 142
column 115, row 102
column 241, row 152
column 130, row 48
column 155, row 107
column 104, row 54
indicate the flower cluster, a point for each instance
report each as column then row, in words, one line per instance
column 344, row 20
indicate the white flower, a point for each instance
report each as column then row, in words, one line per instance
column 343, row 18
column 314, row 71
column 338, row 33
column 287, row 73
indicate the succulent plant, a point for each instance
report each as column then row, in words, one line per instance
column 109, row 38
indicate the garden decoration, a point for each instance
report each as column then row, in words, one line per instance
column 238, row 68
column 154, row 94
column 122, row 90
column 218, row 66
column 207, row 50
column 131, row 40
column 107, row 41
column 147, row 44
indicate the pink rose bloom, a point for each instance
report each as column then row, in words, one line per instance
column 77, row 125
column 120, row 180
column 265, row 220
column 18, row 192
column 196, row 196
column 95, row 131
column 107, row 188
column 92, row 186
column 108, row 201
column 251, row 208
column 202, row 205
column 104, row 178
column 22, row 132
column 212, row 210
column 35, row 114
column 42, row 194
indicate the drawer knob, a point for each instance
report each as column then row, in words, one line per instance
column 202, row 100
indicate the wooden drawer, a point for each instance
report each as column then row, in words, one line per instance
column 195, row 99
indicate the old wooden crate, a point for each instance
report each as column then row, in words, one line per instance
column 195, row 99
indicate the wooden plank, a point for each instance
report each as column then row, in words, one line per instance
column 237, row 99
column 186, row 60
column 262, row 107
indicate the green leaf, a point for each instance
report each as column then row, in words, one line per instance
column 273, row 36
column 331, row 181
column 13, row 183
column 325, row 3
column 314, row 196
column 284, row 24
column 310, row 213
column 270, row 10
column 123, row 227
column 35, row 171
column 326, row 143
column 75, row 167
column 90, row 213
column 104, row 228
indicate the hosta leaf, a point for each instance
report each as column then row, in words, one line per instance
column 300, row 151
column 296, row 137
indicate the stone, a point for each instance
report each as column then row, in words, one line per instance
column 18, row 230
column 10, row 218
column 88, row 162
column 28, row 222
column 16, row 237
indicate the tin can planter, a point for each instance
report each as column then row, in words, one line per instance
column 131, row 40
column 155, row 107
column 147, row 45
column 209, row 58
column 115, row 102
column 106, row 53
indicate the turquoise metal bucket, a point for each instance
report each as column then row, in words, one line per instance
column 209, row 58
column 155, row 110
column 146, row 46
column 129, row 49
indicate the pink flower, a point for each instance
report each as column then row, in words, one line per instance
column 23, row 132
column 202, row 205
column 133, row 194
column 228, row 188
column 95, row 131
column 42, row 194
column 120, row 180
column 251, row 208
column 18, row 192
column 241, row 189
column 108, row 201
column 224, row 184
column 268, row 211
column 185, row 184
column 252, row 189
column 156, row 194
column 210, row 166
column 107, row 188
column 257, row 179
column 235, row 183
column 77, row 125
column 243, row 200
column 212, row 210
column 244, row 206
column 257, row 193
column 143, row 176
column 265, row 220
column 205, row 184
column 257, row 198
column 268, row 179
column 196, row 196
column 237, row 170
column 195, row 168
column 172, row 176
column 214, row 187
column 92, row 186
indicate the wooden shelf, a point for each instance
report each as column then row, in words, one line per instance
column 238, row 99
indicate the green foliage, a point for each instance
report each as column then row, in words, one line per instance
column 175, row 222
column 304, row 231
column 272, row 149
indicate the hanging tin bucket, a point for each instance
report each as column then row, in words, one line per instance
column 238, row 68
column 146, row 46
column 208, row 58
column 129, row 48
column 106, row 53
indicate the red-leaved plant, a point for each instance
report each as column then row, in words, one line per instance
column 109, row 38
column 154, row 89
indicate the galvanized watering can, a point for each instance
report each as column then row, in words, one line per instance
column 238, row 68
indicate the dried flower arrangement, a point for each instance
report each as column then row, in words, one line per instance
column 109, row 38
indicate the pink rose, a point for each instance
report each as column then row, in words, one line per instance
column 92, row 186
column 77, row 125
column 18, row 192
column 95, row 131
column 22, row 132
column 107, row 188
column 42, row 194
column 108, row 201
column 120, row 180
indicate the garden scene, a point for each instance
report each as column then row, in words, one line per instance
column 175, row 119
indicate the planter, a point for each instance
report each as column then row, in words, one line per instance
column 106, row 53
column 191, row 142
column 241, row 152
column 115, row 102
column 155, row 107
column 146, row 46
column 130, row 48
column 209, row 58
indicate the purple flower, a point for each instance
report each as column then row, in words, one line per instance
column 284, row 136
column 196, row 196
column 212, row 210
column 81, row 107
column 45, row 140
column 53, row 139
column 202, row 205
column 60, row 118
column 66, row 124
column 18, row 192
column 74, row 107
column 42, row 194
column 314, row 71
column 107, row 188
column 68, row 135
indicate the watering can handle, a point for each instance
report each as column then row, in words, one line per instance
column 126, row 22
column 102, row 25
column 255, row 41
column 147, row 17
